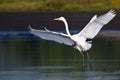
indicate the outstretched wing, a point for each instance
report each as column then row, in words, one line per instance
column 53, row 36
column 96, row 23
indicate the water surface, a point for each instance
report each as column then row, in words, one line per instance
column 26, row 57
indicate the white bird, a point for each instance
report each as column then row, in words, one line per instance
column 80, row 40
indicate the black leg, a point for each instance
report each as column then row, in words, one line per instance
column 83, row 66
column 89, row 60
column 84, row 61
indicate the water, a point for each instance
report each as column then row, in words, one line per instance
column 26, row 57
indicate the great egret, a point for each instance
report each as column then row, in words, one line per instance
column 80, row 40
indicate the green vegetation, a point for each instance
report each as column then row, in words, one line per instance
column 58, row 5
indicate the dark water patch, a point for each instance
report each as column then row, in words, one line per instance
column 27, row 57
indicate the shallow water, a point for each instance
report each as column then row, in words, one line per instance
column 26, row 57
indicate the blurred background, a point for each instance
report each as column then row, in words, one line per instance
column 24, row 56
column 18, row 14
column 58, row 5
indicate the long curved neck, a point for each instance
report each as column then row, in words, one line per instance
column 66, row 27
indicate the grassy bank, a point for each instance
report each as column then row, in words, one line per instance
column 58, row 5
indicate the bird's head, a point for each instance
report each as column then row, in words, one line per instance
column 60, row 19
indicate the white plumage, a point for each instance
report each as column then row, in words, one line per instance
column 53, row 36
column 78, row 40
column 96, row 23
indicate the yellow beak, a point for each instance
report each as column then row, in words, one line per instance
column 57, row 19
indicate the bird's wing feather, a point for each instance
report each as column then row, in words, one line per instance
column 95, row 25
column 92, row 19
column 53, row 36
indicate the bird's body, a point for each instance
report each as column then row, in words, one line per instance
column 78, row 41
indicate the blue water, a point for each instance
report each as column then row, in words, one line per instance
column 24, row 56
column 25, row 34
column 6, row 35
